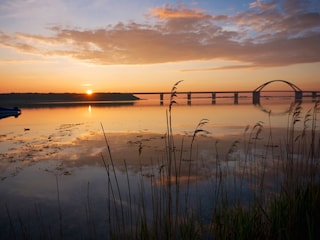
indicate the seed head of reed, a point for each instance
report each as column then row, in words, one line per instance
column 257, row 128
column 173, row 94
column 296, row 113
column 199, row 129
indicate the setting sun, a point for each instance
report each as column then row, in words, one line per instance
column 89, row 91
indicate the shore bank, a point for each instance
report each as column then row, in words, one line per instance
column 40, row 99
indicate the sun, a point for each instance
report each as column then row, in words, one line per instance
column 89, row 91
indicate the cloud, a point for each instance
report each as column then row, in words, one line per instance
column 180, row 11
column 86, row 84
column 287, row 19
column 228, row 67
column 261, row 5
column 268, row 34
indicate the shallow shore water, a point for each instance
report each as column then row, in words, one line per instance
column 55, row 161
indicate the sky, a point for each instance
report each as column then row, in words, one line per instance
column 148, row 45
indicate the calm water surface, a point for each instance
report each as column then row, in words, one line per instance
column 51, row 157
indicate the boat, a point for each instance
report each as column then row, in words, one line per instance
column 9, row 112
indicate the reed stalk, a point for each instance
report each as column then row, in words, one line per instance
column 10, row 222
column 115, row 176
column 59, row 210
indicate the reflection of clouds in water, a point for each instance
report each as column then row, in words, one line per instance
column 19, row 151
column 78, row 150
column 142, row 150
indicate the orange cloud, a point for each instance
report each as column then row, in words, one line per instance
column 168, row 12
column 263, row 36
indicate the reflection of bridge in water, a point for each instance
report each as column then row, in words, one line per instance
column 256, row 93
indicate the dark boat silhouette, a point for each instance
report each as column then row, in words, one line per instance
column 9, row 112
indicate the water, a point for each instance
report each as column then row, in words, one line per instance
column 52, row 157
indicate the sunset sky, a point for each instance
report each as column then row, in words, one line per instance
column 148, row 45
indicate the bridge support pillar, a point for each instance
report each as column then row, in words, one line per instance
column 314, row 96
column 256, row 97
column 298, row 96
column 236, row 98
column 189, row 98
column 213, row 98
column 161, row 98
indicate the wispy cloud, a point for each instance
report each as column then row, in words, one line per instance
column 86, row 84
column 227, row 67
column 268, row 34
column 261, row 5
column 20, row 61
column 180, row 11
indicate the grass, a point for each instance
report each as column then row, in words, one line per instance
column 260, row 189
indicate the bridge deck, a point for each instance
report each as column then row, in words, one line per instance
column 219, row 92
column 256, row 94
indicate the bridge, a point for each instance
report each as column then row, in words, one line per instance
column 256, row 93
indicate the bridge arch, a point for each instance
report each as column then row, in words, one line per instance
column 293, row 86
column 256, row 92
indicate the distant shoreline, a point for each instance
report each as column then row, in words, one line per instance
column 37, row 99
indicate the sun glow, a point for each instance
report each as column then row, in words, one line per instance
column 89, row 91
